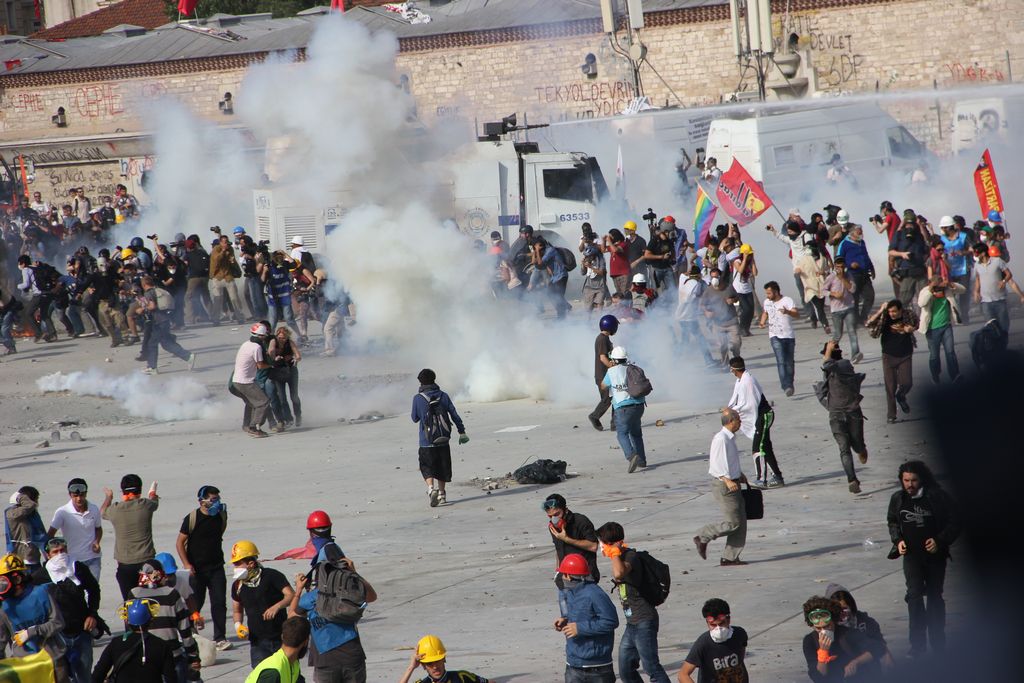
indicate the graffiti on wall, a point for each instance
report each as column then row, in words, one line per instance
column 973, row 73
column 835, row 56
column 54, row 182
column 589, row 99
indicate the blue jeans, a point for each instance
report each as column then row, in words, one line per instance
column 282, row 310
column 997, row 310
column 594, row 674
column 785, row 350
column 79, row 656
column 627, row 429
column 94, row 565
column 254, row 286
column 280, row 398
column 7, row 321
column 847, row 319
column 639, row 645
column 943, row 337
column 262, row 648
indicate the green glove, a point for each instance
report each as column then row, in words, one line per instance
column 463, row 438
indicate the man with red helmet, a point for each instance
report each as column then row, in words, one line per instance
column 588, row 623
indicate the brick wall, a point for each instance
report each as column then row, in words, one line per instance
column 856, row 47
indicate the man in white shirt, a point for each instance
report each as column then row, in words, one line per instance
column 725, row 469
column 248, row 360
column 80, row 524
column 38, row 205
column 688, row 313
column 778, row 314
column 756, row 420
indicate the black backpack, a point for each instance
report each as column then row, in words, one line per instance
column 341, row 593
column 637, row 384
column 47, row 277
column 655, row 578
column 436, row 425
column 568, row 258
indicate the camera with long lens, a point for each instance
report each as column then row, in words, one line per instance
column 650, row 215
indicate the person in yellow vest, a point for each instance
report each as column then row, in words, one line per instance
column 431, row 655
column 283, row 665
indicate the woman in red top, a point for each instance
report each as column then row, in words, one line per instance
column 618, row 263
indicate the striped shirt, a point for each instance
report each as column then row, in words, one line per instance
column 172, row 623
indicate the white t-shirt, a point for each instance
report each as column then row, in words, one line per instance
column 297, row 253
column 779, row 324
column 78, row 529
column 249, row 354
column 725, row 457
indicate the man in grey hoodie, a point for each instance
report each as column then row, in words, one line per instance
column 839, row 392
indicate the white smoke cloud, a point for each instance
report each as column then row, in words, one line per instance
column 164, row 400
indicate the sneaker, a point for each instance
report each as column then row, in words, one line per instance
column 863, row 457
column 256, row 433
column 140, row 358
column 775, row 483
column 278, row 428
column 702, row 547
column 902, row 401
column 191, row 362
column 150, row 371
column 298, row 420
column 722, row 562
column 222, row 645
column 857, row 357
column 434, row 496
column 595, row 423
column 854, row 486
column 789, row 392
column 634, row 460
column 891, row 420
column 130, row 341
column 442, row 499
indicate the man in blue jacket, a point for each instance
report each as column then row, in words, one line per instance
column 861, row 270
column 588, row 623
column 434, row 411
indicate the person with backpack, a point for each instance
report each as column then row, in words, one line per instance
column 841, row 389
column 434, row 411
column 36, row 285
column 77, row 594
column 588, row 622
column 335, row 650
column 547, row 256
column 157, row 332
column 31, row 621
column 628, row 410
column 200, row 547
column 639, row 591
column 756, row 419
column 727, row 476
column 23, row 527
column 136, row 657
column 719, row 652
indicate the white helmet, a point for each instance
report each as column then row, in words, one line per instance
column 843, row 217
column 946, row 222
column 297, row 241
column 639, row 279
column 618, row 353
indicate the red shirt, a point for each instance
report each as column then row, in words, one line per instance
column 618, row 264
column 892, row 224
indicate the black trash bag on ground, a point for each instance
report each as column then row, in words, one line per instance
column 541, row 472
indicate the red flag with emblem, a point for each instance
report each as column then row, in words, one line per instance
column 740, row 196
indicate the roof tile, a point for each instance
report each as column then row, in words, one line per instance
column 148, row 14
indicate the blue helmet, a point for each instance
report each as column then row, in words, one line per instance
column 138, row 613
column 609, row 323
column 136, row 243
column 167, row 560
column 995, row 216
column 238, row 230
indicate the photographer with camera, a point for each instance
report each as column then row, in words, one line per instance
column 198, row 266
column 170, row 274
column 251, row 254
column 276, row 276
column 224, row 268
column 595, row 283
column 660, row 256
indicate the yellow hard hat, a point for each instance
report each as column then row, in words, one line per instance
column 430, row 649
column 126, row 253
column 746, row 249
column 243, row 550
column 629, row 225
column 12, row 563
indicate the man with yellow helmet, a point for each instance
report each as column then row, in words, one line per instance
column 431, row 655
column 32, row 621
column 260, row 595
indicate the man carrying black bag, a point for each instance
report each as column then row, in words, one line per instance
column 725, row 468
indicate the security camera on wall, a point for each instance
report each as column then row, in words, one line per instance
column 589, row 66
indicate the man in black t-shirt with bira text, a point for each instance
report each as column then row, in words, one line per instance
column 718, row 652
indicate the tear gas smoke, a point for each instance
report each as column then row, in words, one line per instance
column 164, row 400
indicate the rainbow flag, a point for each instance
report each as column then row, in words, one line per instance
column 703, row 217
